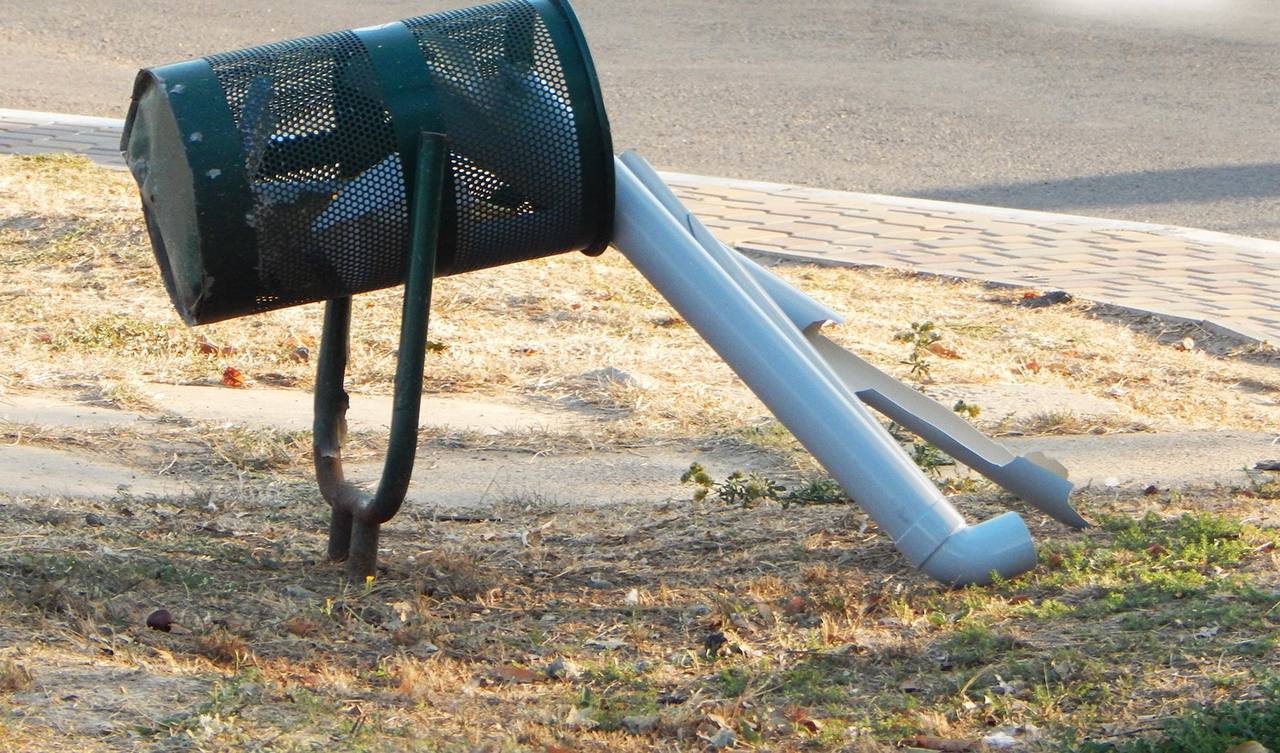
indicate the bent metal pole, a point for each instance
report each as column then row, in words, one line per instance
column 749, row 331
column 1036, row 479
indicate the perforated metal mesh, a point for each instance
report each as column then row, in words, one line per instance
column 319, row 144
column 498, row 82
column 329, row 205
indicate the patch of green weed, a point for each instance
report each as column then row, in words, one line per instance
column 1210, row 729
column 973, row 644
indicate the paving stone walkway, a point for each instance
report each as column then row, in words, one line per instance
column 1226, row 283
column 23, row 132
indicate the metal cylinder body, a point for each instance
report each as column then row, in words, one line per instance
column 280, row 174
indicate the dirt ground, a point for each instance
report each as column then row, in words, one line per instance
column 768, row 615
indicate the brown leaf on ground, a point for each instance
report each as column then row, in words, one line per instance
column 515, row 675
column 232, row 377
column 942, row 351
column 799, row 716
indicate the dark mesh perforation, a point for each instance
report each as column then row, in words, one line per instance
column 328, row 188
column 514, row 153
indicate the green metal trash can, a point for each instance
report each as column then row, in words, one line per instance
column 281, row 174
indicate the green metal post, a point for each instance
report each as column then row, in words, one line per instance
column 356, row 515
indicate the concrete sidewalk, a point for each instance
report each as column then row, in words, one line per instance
column 1224, row 282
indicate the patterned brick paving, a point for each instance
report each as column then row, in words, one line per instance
column 24, row 132
column 1226, row 282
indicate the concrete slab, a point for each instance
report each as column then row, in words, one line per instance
column 43, row 410
column 291, row 410
column 42, row 472
column 1164, row 460
column 470, row 480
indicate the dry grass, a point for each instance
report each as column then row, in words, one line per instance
column 554, row 627
column 13, row 677
column 795, row 630
column 81, row 306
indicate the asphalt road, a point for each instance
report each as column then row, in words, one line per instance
column 1166, row 111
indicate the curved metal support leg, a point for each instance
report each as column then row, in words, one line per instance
column 356, row 515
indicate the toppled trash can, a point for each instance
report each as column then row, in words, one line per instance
column 320, row 168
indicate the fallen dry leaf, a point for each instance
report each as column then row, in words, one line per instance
column 938, row 349
column 232, row 377
column 205, row 347
column 515, row 675
column 799, row 716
